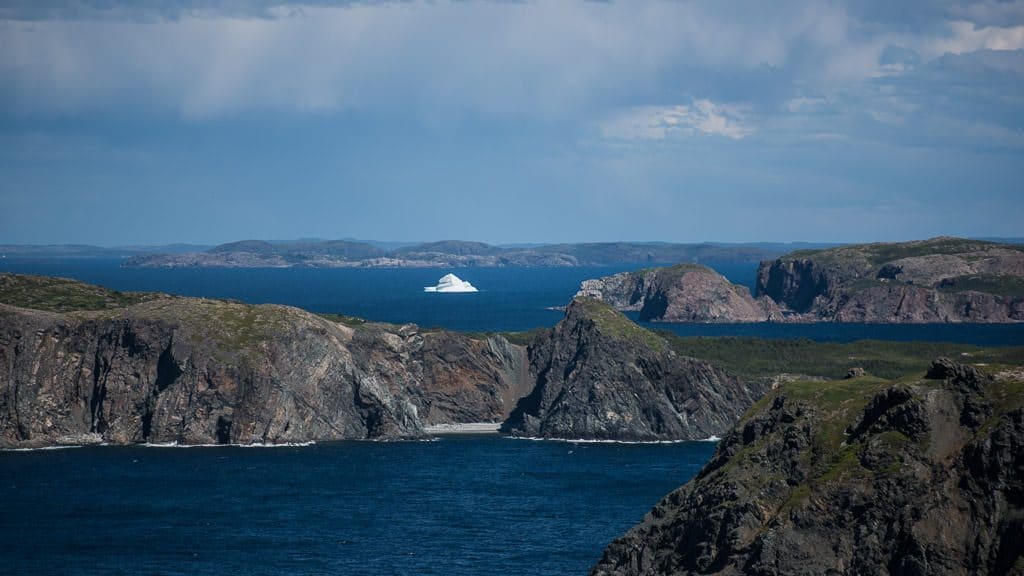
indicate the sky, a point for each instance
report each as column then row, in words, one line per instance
column 208, row 121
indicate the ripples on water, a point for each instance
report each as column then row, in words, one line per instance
column 510, row 299
column 458, row 506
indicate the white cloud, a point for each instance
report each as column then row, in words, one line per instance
column 965, row 37
column 666, row 122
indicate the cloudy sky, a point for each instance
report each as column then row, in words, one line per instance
column 205, row 121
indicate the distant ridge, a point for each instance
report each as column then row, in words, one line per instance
column 460, row 253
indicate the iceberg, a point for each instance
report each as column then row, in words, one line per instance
column 450, row 283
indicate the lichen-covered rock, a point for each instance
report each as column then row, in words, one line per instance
column 850, row 477
column 600, row 376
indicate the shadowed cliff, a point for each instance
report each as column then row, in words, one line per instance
column 922, row 475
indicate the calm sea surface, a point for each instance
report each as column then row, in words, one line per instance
column 457, row 506
column 510, row 299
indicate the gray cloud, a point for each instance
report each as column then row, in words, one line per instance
column 798, row 70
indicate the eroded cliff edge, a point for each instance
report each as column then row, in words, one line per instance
column 79, row 363
column 83, row 364
column 600, row 376
column 863, row 476
column 680, row 293
column 937, row 280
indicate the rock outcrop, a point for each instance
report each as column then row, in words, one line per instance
column 937, row 280
column 858, row 476
column 680, row 293
column 600, row 376
column 82, row 364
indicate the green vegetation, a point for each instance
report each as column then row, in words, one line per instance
column 522, row 338
column 350, row 321
column 880, row 253
column 615, row 324
column 756, row 357
column 674, row 271
column 63, row 295
column 233, row 329
column 1005, row 286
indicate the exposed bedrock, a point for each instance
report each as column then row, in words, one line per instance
column 600, row 376
column 857, row 476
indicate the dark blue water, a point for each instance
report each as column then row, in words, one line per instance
column 510, row 299
column 458, row 506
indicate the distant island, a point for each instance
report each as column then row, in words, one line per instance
column 453, row 254
column 937, row 280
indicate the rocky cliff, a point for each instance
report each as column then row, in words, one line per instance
column 79, row 363
column 600, row 376
column 680, row 293
column 937, row 280
column 924, row 475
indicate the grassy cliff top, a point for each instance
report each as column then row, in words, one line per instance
column 615, row 324
column 64, row 295
column 880, row 253
column 676, row 270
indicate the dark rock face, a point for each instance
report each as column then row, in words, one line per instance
column 197, row 371
column 599, row 376
column 681, row 293
column 851, row 477
column 938, row 280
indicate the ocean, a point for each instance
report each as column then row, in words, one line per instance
column 509, row 300
column 456, row 506
column 462, row 505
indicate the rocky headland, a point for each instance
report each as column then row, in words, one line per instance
column 82, row 364
column 921, row 475
column 600, row 376
column 937, row 280
column 680, row 293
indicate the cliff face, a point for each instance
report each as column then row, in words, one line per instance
column 852, row 477
column 152, row 368
column 938, row 280
column 599, row 376
column 680, row 293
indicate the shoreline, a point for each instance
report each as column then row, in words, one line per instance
column 463, row 428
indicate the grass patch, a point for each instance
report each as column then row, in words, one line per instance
column 64, row 295
column 522, row 338
column 350, row 321
column 756, row 357
column 881, row 253
column 1000, row 285
column 613, row 323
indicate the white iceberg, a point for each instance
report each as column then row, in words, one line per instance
column 450, row 283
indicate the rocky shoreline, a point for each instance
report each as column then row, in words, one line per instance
column 940, row 280
column 862, row 476
column 80, row 364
